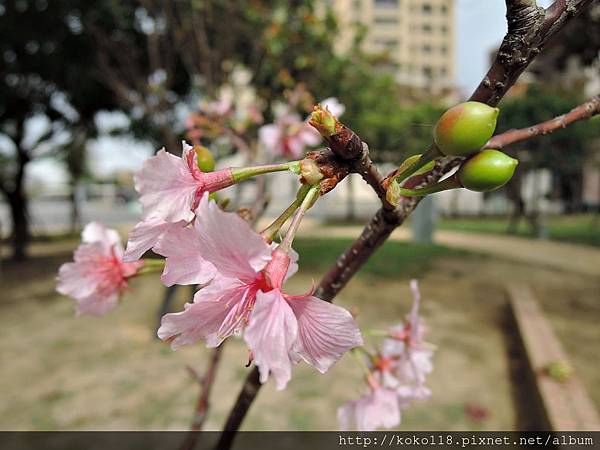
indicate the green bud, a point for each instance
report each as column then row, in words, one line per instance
column 323, row 121
column 204, row 158
column 559, row 371
column 310, row 172
column 486, row 171
column 465, row 128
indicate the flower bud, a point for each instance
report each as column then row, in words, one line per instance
column 486, row 171
column 465, row 128
column 323, row 121
column 309, row 171
column 204, row 158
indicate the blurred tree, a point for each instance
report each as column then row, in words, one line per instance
column 580, row 40
column 49, row 94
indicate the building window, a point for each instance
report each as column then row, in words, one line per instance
column 444, row 50
column 444, row 9
column 389, row 44
column 387, row 3
column 427, row 48
column 426, row 8
column 428, row 72
column 444, row 29
column 426, row 28
column 386, row 20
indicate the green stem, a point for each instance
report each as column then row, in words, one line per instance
column 271, row 231
column 243, row 173
column 357, row 353
column 151, row 266
column 448, row 183
column 430, row 155
column 307, row 202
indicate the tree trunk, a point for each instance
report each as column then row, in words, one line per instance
column 75, row 213
column 20, row 233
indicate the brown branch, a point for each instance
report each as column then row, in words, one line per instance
column 202, row 404
column 584, row 111
column 520, row 46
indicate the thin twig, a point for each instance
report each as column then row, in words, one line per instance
column 202, row 404
column 584, row 111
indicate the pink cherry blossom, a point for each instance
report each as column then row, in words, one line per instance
column 411, row 355
column 397, row 374
column 377, row 409
column 170, row 186
column 170, row 189
column 246, row 296
column 98, row 275
column 288, row 137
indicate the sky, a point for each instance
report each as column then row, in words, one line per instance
column 481, row 25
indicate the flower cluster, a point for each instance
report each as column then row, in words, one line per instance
column 240, row 272
column 98, row 275
column 396, row 375
column 245, row 295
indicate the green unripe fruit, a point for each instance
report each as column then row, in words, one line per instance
column 204, row 158
column 465, row 128
column 486, row 171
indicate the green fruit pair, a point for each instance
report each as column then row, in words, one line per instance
column 465, row 128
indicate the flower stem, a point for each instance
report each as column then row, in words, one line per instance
column 357, row 353
column 307, row 202
column 430, row 155
column 243, row 173
column 151, row 266
column 271, row 231
column 449, row 183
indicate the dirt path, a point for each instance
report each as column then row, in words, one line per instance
column 556, row 255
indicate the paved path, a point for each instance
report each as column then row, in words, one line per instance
column 557, row 255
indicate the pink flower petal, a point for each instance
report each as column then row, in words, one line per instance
column 270, row 335
column 325, row 331
column 146, row 235
column 80, row 279
column 229, row 243
column 378, row 409
column 203, row 319
column 184, row 263
column 96, row 305
column 167, row 188
column 110, row 239
column 270, row 137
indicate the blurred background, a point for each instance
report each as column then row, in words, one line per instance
column 90, row 90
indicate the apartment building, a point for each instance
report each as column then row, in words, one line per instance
column 418, row 36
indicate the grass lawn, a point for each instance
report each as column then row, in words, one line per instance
column 580, row 229
column 83, row 373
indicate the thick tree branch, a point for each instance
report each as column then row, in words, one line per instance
column 527, row 32
column 584, row 111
